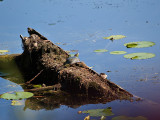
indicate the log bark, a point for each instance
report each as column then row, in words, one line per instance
column 41, row 54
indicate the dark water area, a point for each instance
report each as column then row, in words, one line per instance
column 81, row 25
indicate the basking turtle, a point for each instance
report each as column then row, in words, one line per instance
column 72, row 60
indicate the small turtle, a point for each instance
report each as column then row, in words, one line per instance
column 72, row 60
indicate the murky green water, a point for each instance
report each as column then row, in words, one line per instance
column 81, row 25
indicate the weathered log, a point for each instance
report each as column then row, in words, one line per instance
column 41, row 54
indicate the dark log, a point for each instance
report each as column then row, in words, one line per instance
column 41, row 54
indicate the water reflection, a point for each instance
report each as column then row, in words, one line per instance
column 53, row 101
column 48, row 100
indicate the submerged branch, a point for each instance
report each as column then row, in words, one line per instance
column 28, row 82
column 53, row 87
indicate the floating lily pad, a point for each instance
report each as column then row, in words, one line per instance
column 99, row 112
column 101, row 50
column 8, row 96
column 3, row 51
column 139, row 44
column 17, row 95
column 114, row 37
column 118, row 52
column 129, row 118
column 139, row 56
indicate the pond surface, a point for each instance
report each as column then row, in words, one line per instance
column 81, row 25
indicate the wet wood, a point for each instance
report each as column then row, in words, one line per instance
column 41, row 54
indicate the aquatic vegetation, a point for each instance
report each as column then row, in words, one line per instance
column 101, row 50
column 17, row 95
column 100, row 112
column 114, row 37
column 139, row 44
column 139, row 56
column 3, row 51
column 118, row 52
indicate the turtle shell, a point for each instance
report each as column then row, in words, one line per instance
column 72, row 60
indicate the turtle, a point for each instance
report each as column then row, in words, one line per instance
column 72, row 60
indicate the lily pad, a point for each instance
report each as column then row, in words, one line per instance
column 118, row 52
column 99, row 112
column 8, row 96
column 101, row 50
column 139, row 56
column 139, row 44
column 3, row 51
column 114, row 37
column 129, row 118
column 17, row 95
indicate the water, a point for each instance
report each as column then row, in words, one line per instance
column 81, row 25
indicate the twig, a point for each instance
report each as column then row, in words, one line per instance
column 28, row 82
column 56, row 86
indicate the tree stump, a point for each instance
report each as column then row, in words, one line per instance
column 43, row 58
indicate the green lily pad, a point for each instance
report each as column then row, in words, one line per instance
column 114, row 37
column 101, row 50
column 139, row 44
column 139, row 56
column 129, row 118
column 8, row 96
column 99, row 112
column 17, row 95
column 3, row 51
column 118, row 52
